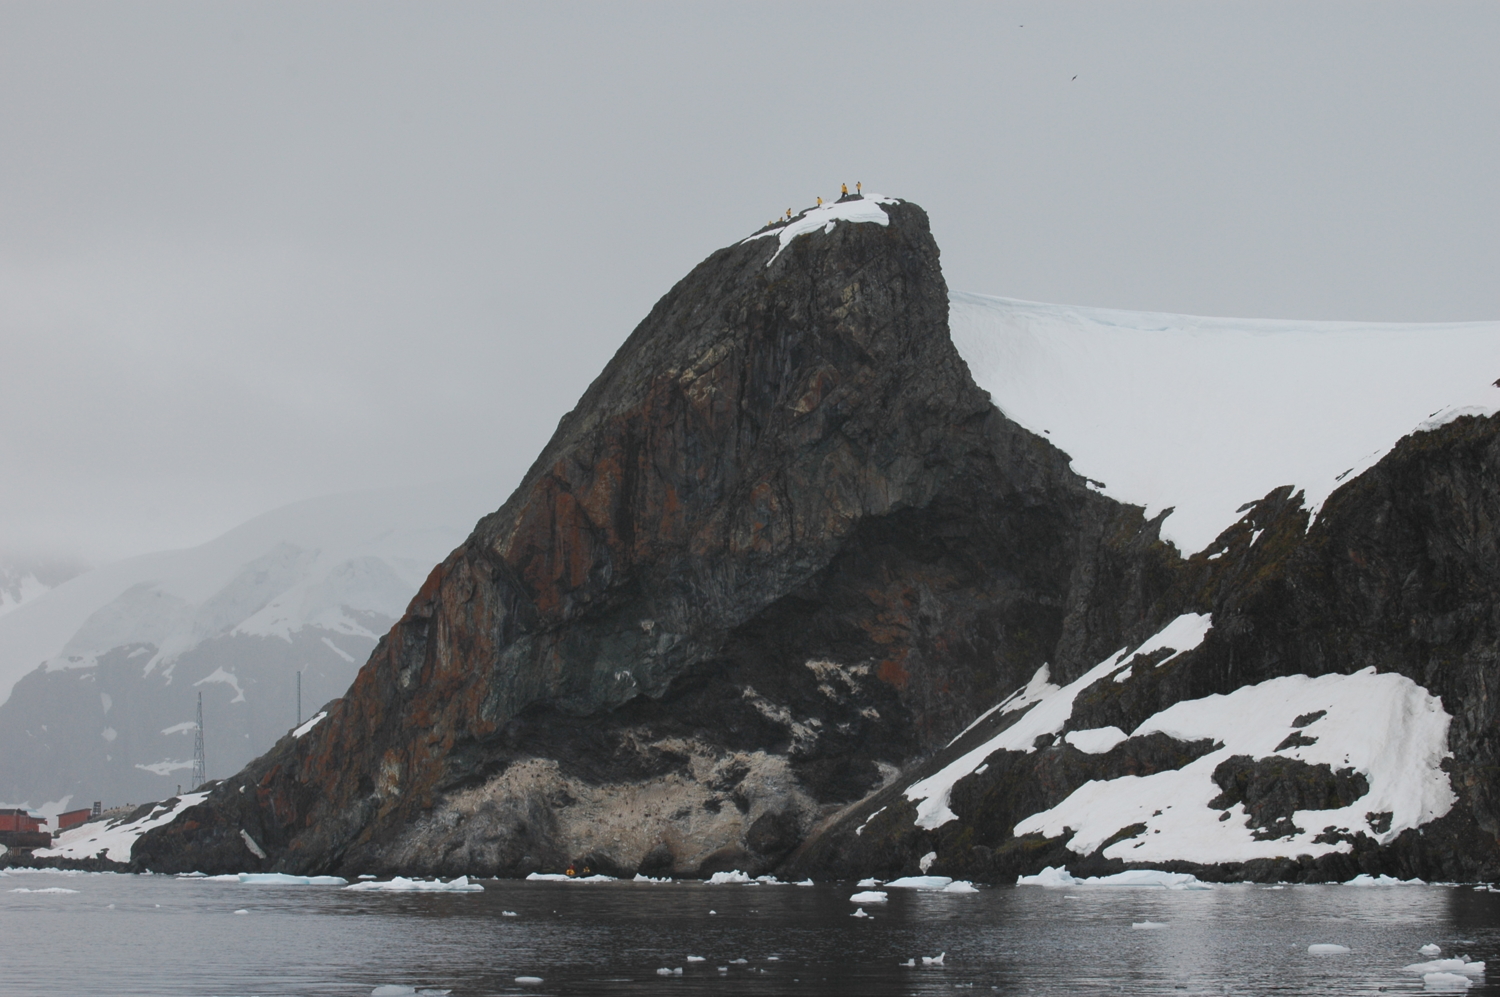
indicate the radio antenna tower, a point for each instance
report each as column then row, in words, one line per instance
column 200, row 769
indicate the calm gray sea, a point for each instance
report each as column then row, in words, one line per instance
column 158, row 935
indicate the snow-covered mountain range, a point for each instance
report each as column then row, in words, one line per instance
column 99, row 675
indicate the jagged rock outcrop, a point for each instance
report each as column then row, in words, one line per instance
column 784, row 552
column 782, row 547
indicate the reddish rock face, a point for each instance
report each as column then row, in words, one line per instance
column 782, row 547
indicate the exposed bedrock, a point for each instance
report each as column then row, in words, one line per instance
column 783, row 551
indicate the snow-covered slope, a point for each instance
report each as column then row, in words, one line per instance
column 100, row 675
column 1206, row 414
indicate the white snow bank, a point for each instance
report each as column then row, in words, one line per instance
column 309, row 725
column 1205, row 414
column 824, row 217
column 868, row 897
column 400, row 884
column 1151, row 878
column 1384, row 726
column 1051, row 710
column 1365, row 879
column 283, row 879
column 1096, row 741
column 115, row 838
column 557, row 877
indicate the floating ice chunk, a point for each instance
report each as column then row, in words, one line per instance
column 960, row 886
column 738, row 962
column 807, row 882
column 400, row 884
column 713, row 912
column 1325, row 949
column 180, row 875
column 867, row 884
column 283, row 879
column 1147, row 925
column 697, row 958
column 528, row 979
column 664, row 971
column 1447, row 966
column 392, row 990
column 507, row 913
column 1365, row 879
column 919, row 883
column 1131, row 877
column 868, row 897
column 908, row 963
column 859, row 912
column 240, row 911
column 557, row 877
column 727, row 878
column 1050, row 876
column 647, row 879
column 1446, row 982
column 934, row 960
column 1430, row 950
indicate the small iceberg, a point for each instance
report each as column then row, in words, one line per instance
column 664, row 971
column 697, row 958
column 918, row 883
column 507, row 913
column 397, row 990
column 400, row 884
column 1447, row 966
column 1446, row 982
column 282, row 879
column 1365, row 879
column 1147, row 925
column 908, row 963
column 935, row 960
column 1054, row 877
column 647, row 879
column 558, row 877
column 1430, row 950
column 1325, row 949
column 867, row 884
column 807, row 882
column 45, row 889
column 731, row 878
column 868, row 897
column 528, row 979
column 859, row 912
column 960, row 886
column 240, row 911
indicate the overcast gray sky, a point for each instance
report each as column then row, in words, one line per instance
column 255, row 252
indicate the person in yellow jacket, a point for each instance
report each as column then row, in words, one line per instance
column 820, row 202
column 844, row 190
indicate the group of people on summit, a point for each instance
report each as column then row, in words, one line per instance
column 844, row 195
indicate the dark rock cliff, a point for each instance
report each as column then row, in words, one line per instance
column 782, row 547
column 784, row 550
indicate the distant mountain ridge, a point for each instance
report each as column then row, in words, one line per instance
column 102, row 672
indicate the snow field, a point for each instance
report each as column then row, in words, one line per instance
column 1050, row 710
column 1205, row 414
column 115, row 840
column 1384, row 726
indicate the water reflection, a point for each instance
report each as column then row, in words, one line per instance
column 157, row 935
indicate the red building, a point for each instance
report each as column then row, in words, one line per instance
column 20, row 820
column 73, row 818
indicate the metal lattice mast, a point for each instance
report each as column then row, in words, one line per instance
column 299, row 697
column 200, row 768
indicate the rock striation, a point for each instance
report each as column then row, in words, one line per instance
column 779, row 557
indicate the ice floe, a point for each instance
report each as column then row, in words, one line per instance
column 558, row 877
column 1447, row 966
column 934, row 960
column 733, row 877
column 1324, row 948
column 1149, row 878
column 400, row 884
column 859, row 912
column 1147, row 925
column 283, row 879
column 528, row 979
column 1446, row 982
column 867, row 884
column 1365, row 879
column 1430, row 950
column 648, row 879
column 397, row 990
column 45, row 889
column 868, row 897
